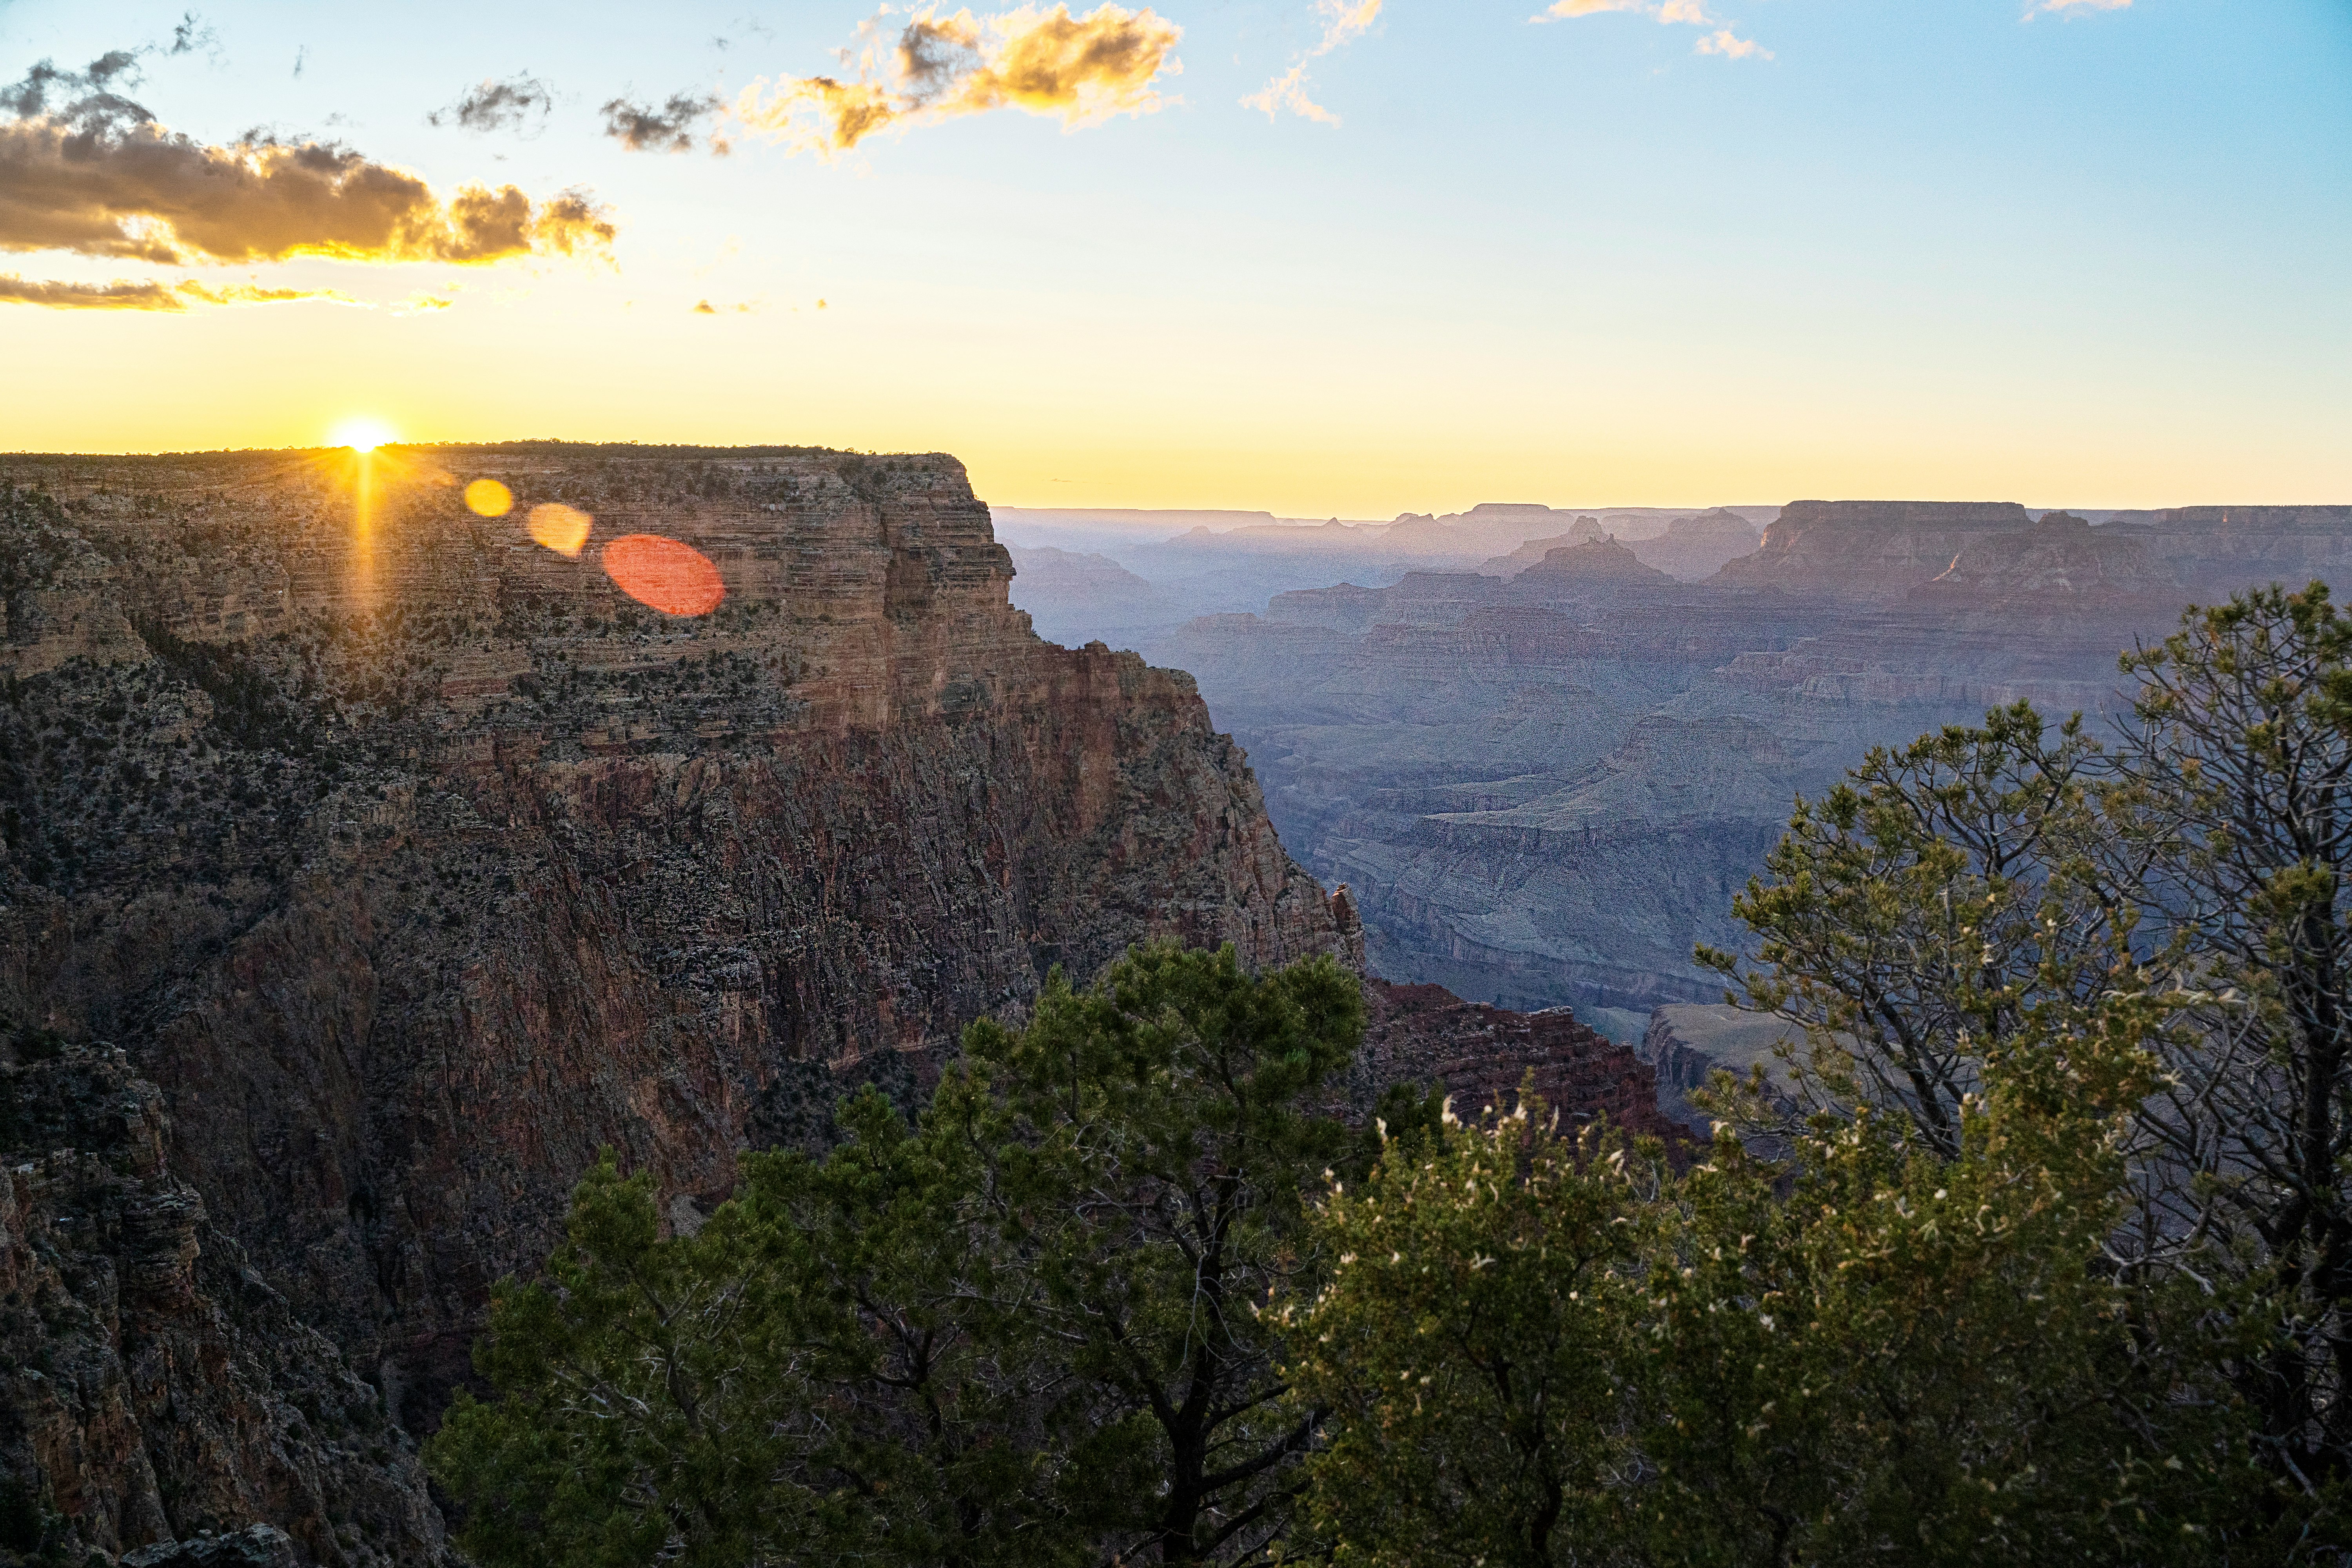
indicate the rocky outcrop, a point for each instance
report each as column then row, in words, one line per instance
column 154, row 1390
column 1596, row 564
column 1867, row 549
column 1483, row 1055
column 1066, row 591
column 1419, row 598
column 414, row 863
column 1694, row 548
column 2060, row 559
column 1688, row 1042
column 1583, row 530
column 257, row 1546
column 2216, row 550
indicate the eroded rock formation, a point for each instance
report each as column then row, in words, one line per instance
column 1863, row 548
column 416, row 864
column 1484, row 1056
column 2060, row 560
column 154, row 1388
column 1591, row 563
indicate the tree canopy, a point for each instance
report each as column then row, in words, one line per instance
column 2040, row 1250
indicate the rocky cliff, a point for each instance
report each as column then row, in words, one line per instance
column 1695, row 548
column 2060, row 559
column 414, row 862
column 154, row 1388
column 1596, row 563
column 1484, row 1056
column 366, row 864
column 2220, row 548
column 1867, row 549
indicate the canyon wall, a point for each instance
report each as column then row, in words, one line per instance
column 416, row 863
column 1546, row 788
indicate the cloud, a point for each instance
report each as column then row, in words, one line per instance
column 509, row 105
column 1084, row 70
column 1722, row 41
column 150, row 294
column 2066, row 6
column 1343, row 21
column 85, row 169
column 669, row 129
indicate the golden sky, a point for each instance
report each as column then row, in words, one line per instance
column 1350, row 257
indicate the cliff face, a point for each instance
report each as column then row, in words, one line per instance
column 414, row 863
column 1485, row 1056
column 2221, row 548
column 2060, row 559
column 1695, row 548
column 153, row 1387
column 1867, row 549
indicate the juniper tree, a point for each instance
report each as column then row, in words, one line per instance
column 1024, row 1331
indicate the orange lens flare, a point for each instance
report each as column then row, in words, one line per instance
column 676, row 579
column 487, row 498
column 563, row 529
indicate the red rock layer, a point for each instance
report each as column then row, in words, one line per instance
column 1483, row 1054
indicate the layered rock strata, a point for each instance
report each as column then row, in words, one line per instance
column 1594, row 562
column 154, row 1390
column 2060, row 559
column 1867, row 549
column 416, row 863
column 1688, row 1042
column 1485, row 1057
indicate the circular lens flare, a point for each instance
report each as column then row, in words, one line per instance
column 362, row 435
column 676, row 579
column 563, row 529
column 487, row 498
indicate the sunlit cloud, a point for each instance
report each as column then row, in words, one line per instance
column 643, row 128
column 1081, row 69
column 1343, row 21
column 151, row 295
column 520, row 103
column 1721, row 41
column 86, row 170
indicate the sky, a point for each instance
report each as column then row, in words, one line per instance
column 1348, row 258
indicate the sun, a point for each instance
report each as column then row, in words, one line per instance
column 362, row 435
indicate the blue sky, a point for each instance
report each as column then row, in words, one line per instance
column 2090, row 257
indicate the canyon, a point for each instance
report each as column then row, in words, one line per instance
column 367, row 865
column 1546, row 772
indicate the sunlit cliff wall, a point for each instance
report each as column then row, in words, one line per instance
column 416, row 863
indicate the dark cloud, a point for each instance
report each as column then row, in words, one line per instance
column 85, row 169
column 641, row 128
column 192, row 34
column 520, row 103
